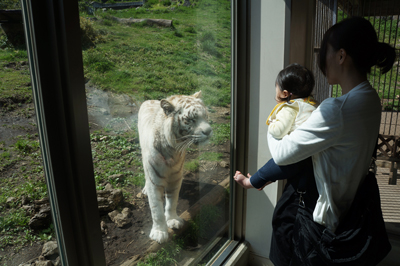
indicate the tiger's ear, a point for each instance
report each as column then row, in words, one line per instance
column 167, row 107
column 197, row 94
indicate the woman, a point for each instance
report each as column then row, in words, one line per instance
column 340, row 135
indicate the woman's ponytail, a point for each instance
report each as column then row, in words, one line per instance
column 358, row 37
column 385, row 57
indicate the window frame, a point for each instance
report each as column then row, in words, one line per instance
column 54, row 52
column 52, row 32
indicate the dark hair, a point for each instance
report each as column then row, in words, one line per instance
column 358, row 38
column 297, row 80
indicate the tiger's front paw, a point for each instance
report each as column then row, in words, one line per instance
column 159, row 236
column 176, row 222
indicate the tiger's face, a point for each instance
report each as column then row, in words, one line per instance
column 189, row 119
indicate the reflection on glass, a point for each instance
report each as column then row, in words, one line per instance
column 26, row 229
column 152, row 52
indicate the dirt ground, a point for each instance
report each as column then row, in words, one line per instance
column 121, row 244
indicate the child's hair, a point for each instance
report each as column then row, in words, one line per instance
column 297, row 80
column 358, row 38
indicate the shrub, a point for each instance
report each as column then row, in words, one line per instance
column 10, row 4
column 150, row 3
column 89, row 35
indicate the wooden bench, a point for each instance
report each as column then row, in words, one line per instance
column 389, row 149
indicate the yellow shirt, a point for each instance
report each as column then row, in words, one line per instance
column 287, row 116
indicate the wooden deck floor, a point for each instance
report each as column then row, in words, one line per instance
column 390, row 196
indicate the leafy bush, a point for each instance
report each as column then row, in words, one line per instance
column 10, row 4
column 166, row 2
column 150, row 3
column 89, row 35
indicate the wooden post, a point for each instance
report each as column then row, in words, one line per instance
column 393, row 173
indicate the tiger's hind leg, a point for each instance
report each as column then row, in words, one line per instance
column 171, row 198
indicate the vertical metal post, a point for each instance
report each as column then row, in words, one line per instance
column 55, row 57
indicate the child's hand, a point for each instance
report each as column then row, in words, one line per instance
column 242, row 180
column 245, row 181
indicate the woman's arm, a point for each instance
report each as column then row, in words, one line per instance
column 320, row 131
column 283, row 122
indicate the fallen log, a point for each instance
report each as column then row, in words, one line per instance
column 149, row 21
column 117, row 5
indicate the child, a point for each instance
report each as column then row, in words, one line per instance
column 294, row 85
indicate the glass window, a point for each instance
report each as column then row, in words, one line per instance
column 173, row 189
column 175, row 173
column 26, row 224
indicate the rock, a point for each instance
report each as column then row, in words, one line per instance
column 50, row 250
column 120, row 219
column 126, row 212
column 29, row 209
column 128, row 150
column 57, row 262
column 42, row 216
column 108, row 199
column 103, row 111
column 224, row 164
column 140, row 195
column 25, row 200
column 10, row 200
column 43, row 262
column 116, row 176
column 41, row 220
column 104, row 227
column 113, row 214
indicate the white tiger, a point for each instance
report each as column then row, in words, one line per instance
column 166, row 129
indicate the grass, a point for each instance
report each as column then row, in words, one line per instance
column 166, row 256
column 147, row 62
column 151, row 62
column 221, row 133
column 199, row 227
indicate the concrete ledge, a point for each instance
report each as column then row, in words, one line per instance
column 240, row 256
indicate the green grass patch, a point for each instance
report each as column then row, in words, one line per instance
column 221, row 133
column 151, row 62
column 110, row 160
column 200, row 227
column 192, row 165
